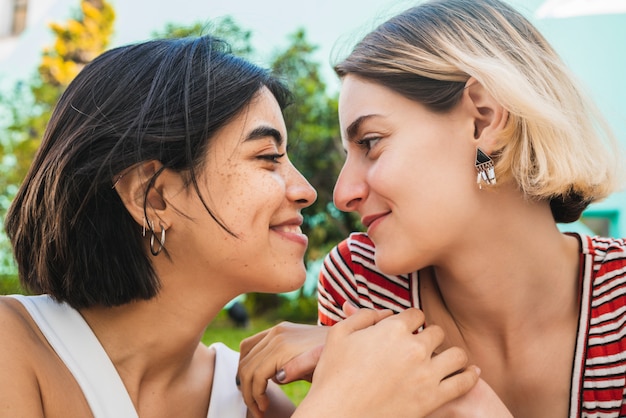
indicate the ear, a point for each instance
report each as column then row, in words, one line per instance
column 489, row 116
column 131, row 186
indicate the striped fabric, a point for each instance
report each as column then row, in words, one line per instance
column 598, row 387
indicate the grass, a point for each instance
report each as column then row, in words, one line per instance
column 223, row 330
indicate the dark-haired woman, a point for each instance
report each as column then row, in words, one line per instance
column 161, row 191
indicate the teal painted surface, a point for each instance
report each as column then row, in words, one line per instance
column 594, row 47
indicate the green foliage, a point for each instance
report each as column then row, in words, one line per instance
column 225, row 28
column 10, row 285
column 302, row 309
column 77, row 42
column 26, row 109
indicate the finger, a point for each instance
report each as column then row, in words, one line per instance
column 411, row 319
column 362, row 319
column 349, row 308
column 259, row 392
column 450, row 361
column 251, row 403
column 253, row 350
column 246, row 375
column 249, row 343
column 246, row 393
column 459, row 384
column 431, row 337
column 300, row 367
column 253, row 378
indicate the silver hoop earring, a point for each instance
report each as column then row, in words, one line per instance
column 143, row 228
column 161, row 242
column 485, row 167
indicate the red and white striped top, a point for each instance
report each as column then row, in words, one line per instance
column 598, row 386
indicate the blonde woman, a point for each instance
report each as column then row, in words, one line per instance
column 467, row 140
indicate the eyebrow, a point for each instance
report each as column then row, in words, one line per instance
column 354, row 127
column 264, row 132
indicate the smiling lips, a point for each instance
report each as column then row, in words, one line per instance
column 370, row 221
column 291, row 230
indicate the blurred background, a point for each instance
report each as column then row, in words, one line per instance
column 44, row 43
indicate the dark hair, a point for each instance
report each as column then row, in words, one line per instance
column 159, row 100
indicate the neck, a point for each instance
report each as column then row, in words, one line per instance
column 154, row 341
column 513, row 277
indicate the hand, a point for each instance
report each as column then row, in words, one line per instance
column 480, row 401
column 373, row 367
column 289, row 350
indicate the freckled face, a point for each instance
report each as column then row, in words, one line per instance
column 409, row 173
column 254, row 190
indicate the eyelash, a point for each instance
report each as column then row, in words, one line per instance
column 366, row 143
column 272, row 157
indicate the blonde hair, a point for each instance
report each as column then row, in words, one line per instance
column 555, row 145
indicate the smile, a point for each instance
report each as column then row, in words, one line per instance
column 290, row 229
column 371, row 221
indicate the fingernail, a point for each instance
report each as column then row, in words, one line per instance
column 237, row 381
column 281, row 375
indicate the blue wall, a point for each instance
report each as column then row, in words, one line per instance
column 594, row 47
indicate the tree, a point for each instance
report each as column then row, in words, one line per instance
column 225, row 28
column 27, row 108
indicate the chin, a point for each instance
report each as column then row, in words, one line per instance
column 287, row 280
column 391, row 266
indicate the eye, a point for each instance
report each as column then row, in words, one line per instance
column 368, row 143
column 273, row 158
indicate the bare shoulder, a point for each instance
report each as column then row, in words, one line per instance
column 17, row 328
column 34, row 382
column 19, row 388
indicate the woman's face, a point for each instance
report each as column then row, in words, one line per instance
column 254, row 190
column 409, row 173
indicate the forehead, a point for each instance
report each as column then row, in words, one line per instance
column 361, row 99
column 263, row 111
column 359, row 96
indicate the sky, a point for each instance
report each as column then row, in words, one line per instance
column 333, row 25
column 592, row 45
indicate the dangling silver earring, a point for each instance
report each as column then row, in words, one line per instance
column 161, row 242
column 143, row 228
column 485, row 168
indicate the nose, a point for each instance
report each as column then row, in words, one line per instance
column 299, row 190
column 351, row 188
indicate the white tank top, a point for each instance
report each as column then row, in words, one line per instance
column 78, row 347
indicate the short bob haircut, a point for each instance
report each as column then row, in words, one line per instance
column 159, row 100
column 555, row 146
